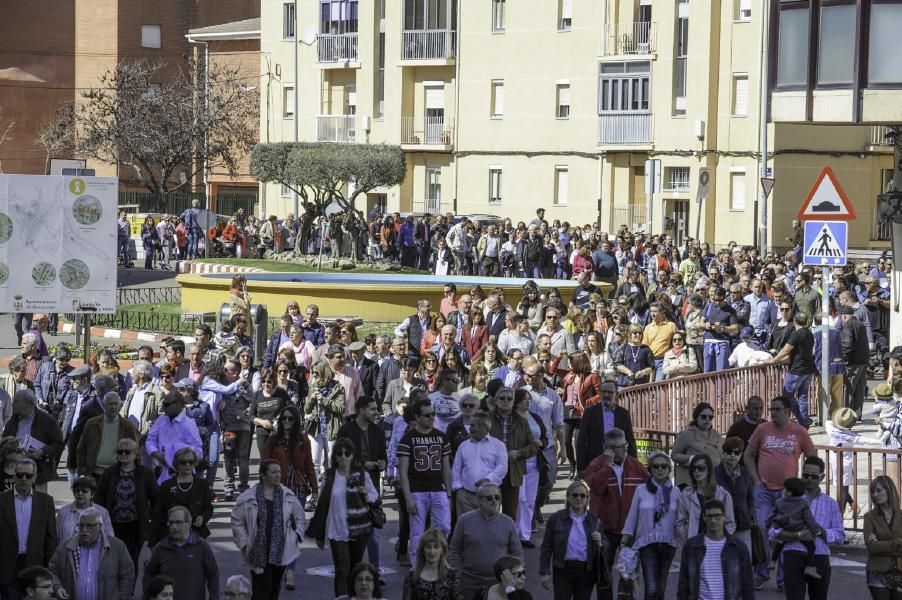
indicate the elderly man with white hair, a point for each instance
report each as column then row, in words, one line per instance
column 237, row 587
column 91, row 564
column 143, row 402
column 31, row 354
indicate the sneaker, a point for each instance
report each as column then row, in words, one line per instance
column 812, row 572
column 228, row 497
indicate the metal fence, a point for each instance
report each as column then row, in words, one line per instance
column 176, row 203
column 148, row 295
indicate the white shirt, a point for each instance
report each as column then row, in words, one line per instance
column 485, row 459
column 136, row 408
column 710, row 586
column 337, row 519
column 577, row 544
column 618, row 473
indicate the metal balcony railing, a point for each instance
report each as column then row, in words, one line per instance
column 429, row 44
column 678, row 180
column 883, row 230
column 335, row 128
column 425, row 130
column 630, row 38
column 339, row 47
column 630, row 215
column 628, row 127
column 879, row 135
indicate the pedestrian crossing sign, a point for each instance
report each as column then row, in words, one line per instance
column 825, row 243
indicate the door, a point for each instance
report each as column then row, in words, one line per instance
column 433, row 189
column 435, row 115
column 680, row 219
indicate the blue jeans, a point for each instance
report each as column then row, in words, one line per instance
column 716, row 356
column 372, row 548
column 656, row 560
column 213, row 459
column 533, row 271
column 659, row 369
column 192, row 242
column 764, row 505
column 796, row 388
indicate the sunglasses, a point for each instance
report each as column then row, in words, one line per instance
column 663, row 466
column 24, row 475
column 495, row 497
column 578, row 495
column 123, row 452
column 344, row 453
column 706, row 417
column 733, row 452
column 468, row 405
column 699, row 468
column 187, row 462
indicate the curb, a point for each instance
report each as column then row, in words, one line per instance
column 188, row 266
column 124, row 334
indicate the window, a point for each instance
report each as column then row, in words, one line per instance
column 151, row 37
column 565, row 15
column 497, row 110
column 884, row 65
column 498, row 15
column 836, row 56
column 338, row 16
column 430, row 14
column 624, row 86
column 380, row 79
column 680, row 67
column 677, row 180
column 561, row 185
column 744, row 10
column 737, row 189
column 741, row 95
column 495, row 184
column 288, row 101
column 288, row 21
column 563, row 100
column 792, row 48
column 286, row 191
column 433, row 189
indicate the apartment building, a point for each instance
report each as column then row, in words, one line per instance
column 54, row 50
column 503, row 107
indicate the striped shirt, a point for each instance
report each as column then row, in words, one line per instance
column 710, row 585
column 825, row 511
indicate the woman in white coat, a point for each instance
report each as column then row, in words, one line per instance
column 692, row 499
column 268, row 525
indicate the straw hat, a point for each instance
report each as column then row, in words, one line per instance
column 883, row 390
column 844, row 418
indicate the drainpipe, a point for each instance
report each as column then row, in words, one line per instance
column 762, row 118
column 454, row 164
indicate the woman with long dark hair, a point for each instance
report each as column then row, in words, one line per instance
column 582, row 389
column 699, row 437
column 689, row 521
column 150, row 241
column 475, row 335
column 289, row 445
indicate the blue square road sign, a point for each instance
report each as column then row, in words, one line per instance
column 825, row 243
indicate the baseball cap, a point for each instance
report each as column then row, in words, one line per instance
column 356, row 346
column 186, row 383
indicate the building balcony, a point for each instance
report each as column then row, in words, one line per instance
column 429, row 47
column 628, row 128
column 879, row 138
column 337, row 50
column 336, row 128
column 430, row 134
column 630, row 38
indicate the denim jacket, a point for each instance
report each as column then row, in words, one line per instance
column 738, row 582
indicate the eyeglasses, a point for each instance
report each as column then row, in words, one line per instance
column 576, row 495
column 734, row 452
column 804, row 476
column 468, row 405
column 344, row 453
column 123, row 452
column 699, row 468
column 280, row 371
column 165, row 376
column 187, row 462
column 663, row 466
column 24, row 475
column 492, row 497
column 706, row 417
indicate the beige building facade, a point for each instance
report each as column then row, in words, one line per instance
column 504, row 107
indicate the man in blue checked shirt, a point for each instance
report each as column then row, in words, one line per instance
column 826, row 512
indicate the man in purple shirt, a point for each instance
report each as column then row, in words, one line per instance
column 172, row 431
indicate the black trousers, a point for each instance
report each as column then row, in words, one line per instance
column 268, row 584
column 797, row 584
column 856, row 386
column 130, row 534
column 344, row 556
column 574, row 582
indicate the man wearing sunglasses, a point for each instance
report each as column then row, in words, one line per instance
column 29, row 532
column 480, row 537
column 826, row 512
column 172, row 431
column 772, row 456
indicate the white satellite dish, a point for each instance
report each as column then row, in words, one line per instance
column 309, row 35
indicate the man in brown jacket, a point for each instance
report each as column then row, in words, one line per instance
column 97, row 446
column 514, row 431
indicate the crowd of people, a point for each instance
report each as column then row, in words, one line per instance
column 465, row 417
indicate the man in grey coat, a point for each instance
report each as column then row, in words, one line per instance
column 91, row 564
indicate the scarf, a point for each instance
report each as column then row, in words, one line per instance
column 259, row 554
column 677, row 351
column 662, row 497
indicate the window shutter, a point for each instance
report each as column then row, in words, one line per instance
column 352, row 97
column 499, row 99
column 737, row 191
column 745, row 9
column 435, row 97
column 741, row 96
column 564, row 96
column 563, row 186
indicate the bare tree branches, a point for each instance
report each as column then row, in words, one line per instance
column 157, row 121
column 6, row 132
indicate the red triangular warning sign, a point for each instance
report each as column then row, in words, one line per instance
column 827, row 201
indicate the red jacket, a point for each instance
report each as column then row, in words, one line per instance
column 605, row 499
column 475, row 345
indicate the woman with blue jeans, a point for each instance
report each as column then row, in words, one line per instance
column 650, row 528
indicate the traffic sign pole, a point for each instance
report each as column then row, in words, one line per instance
column 825, row 344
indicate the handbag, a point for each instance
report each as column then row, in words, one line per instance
column 760, row 551
column 377, row 515
column 311, row 427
